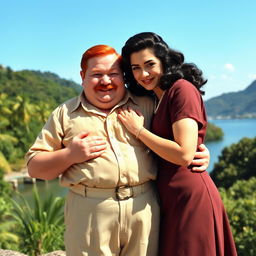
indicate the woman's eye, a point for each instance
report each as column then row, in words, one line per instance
column 151, row 64
column 135, row 68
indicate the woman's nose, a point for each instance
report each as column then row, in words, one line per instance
column 145, row 73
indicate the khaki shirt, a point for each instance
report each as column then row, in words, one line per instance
column 127, row 161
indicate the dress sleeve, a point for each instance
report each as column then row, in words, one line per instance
column 185, row 101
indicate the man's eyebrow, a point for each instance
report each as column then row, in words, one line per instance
column 96, row 70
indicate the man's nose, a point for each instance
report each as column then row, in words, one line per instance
column 105, row 79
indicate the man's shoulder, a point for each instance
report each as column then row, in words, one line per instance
column 68, row 106
column 144, row 100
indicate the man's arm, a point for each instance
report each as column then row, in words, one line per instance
column 49, row 165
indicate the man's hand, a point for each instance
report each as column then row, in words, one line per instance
column 201, row 159
column 83, row 147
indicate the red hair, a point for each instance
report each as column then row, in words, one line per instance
column 97, row 50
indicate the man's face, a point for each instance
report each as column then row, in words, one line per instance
column 103, row 81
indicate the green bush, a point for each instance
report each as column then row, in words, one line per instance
column 40, row 227
column 213, row 133
column 236, row 162
column 240, row 203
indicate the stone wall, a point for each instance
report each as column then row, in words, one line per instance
column 13, row 253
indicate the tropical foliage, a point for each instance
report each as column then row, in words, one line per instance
column 236, row 162
column 213, row 133
column 26, row 101
column 240, row 203
column 7, row 238
column 235, row 174
column 40, row 227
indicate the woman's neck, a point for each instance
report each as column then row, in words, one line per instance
column 158, row 92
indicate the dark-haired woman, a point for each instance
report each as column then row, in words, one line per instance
column 193, row 221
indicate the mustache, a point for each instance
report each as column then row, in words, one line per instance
column 105, row 87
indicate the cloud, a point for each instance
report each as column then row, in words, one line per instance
column 226, row 77
column 212, row 77
column 229, row 67
column 252, row 76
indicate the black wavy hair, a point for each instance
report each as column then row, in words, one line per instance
column 172, row 61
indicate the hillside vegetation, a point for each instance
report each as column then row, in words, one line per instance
column 26, row 101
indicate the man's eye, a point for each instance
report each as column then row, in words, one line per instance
column 97, row 75
column 114, row 74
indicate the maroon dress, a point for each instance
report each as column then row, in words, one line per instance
column 193, row 220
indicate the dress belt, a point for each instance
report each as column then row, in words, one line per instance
column 119, row 193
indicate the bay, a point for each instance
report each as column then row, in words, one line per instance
column 234, row 130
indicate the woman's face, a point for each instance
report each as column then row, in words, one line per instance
column 146, row 68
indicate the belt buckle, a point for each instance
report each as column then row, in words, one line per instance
column 120, row 198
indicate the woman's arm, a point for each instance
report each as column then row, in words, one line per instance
column 180, row 152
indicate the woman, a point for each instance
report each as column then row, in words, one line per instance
column 193, row 221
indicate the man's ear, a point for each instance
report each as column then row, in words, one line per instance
column 82, row 74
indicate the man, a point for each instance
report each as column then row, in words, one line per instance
column 111, row 208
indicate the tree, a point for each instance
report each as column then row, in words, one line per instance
column 240, row 203
column 236, row 162
column 7, row 237
column 40, row 227
column 213, row 133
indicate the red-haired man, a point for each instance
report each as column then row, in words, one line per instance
column 111, row 207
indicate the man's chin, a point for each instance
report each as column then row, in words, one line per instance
column 106, row 105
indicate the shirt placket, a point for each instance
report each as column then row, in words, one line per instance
column 112, row 134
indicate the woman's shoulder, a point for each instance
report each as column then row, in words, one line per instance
column 183, row 90
column 180, row 83
column 183, row 86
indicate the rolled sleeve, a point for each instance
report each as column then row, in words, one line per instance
column 49, row 139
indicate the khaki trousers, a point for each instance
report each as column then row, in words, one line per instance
column 98, row 224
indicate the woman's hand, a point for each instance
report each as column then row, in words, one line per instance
column 201, row 159
column 133, row 120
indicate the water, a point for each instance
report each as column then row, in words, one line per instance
column 44, row 188
column 234, row 130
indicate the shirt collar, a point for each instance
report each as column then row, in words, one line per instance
column 81, row 100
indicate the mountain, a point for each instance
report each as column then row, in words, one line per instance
column 241, row 104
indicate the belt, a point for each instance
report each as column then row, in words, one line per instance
column 119, row 193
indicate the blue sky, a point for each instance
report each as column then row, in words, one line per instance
column 51, row 35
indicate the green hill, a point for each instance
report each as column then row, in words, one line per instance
column 26, row 100
column 240, row 104
column 37, row 86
